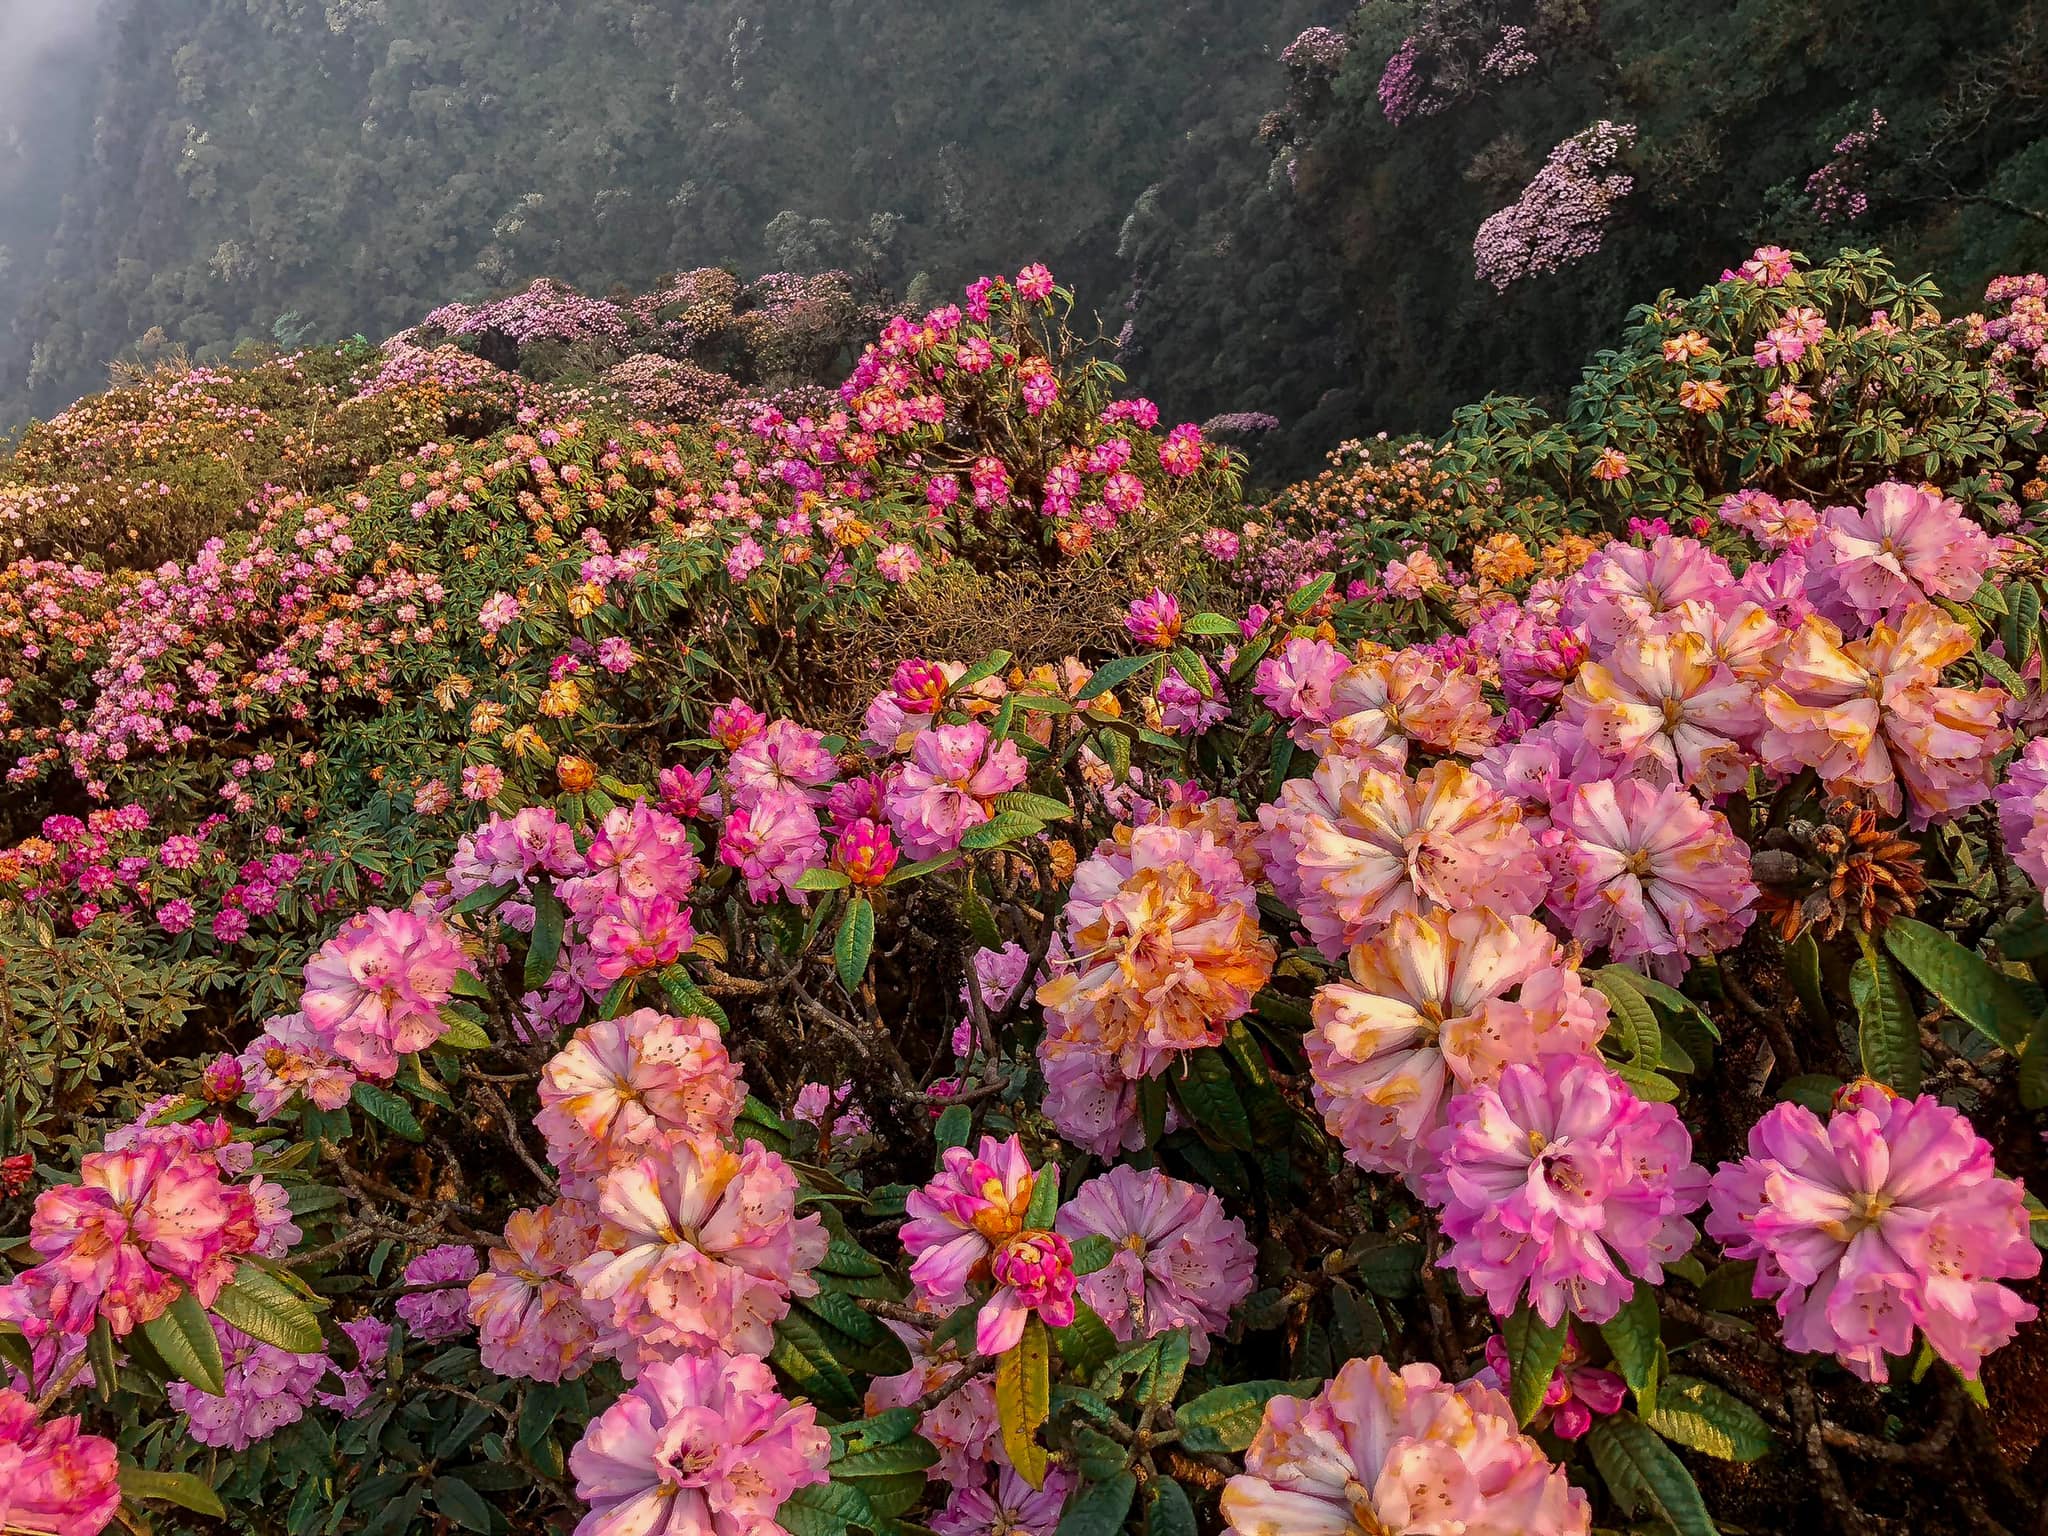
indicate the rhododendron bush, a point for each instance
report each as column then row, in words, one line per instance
column 1518, row 1014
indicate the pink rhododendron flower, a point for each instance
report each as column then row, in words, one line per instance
column 774, row 844
column 949, row 785
column 621, row 1087
column 1181, row 454
column 785, row 756
column 1180, row 1261
column 974, row 1204
column 288, row 1060
column 1012, row 1508
column 1889, row 1216
column 2023, row 810
column 635, row 934
column 1390, row 698
column 1163, row 928
column 700, row 1249
column 1577, row 1391
column 700, row 1446
column 1661, row 708
column 864, row 852
column 527, row 1308
column 1648, row 871
column 831, row 1111
column 898, row 563
column 442, row 1313
column 267, row 1389
column 139, row 1228
column 1355, row 844
column 1873, row 715
column 498, row 610
column 374, row 992
column 1091, row 1103
column 54, row 1479
column 1436, row 1005
column 1035, row 283
column 1622, row 586
column 1032, row 1272
column 1902, row 546
column 372, row 1340
column 1297, row 682
column 1773, row 523
column 1413, row 576
column 636, row 851
column 1561, row 1187
column 1154, row 621
column 965, row 1425
column 735, row 723
column 1399, row 1451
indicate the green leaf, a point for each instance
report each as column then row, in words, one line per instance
column 387, row 1109
column 1191, row 671
column 903, row 872
column 462, row 1028
column 1889, row 1039
column 484, row 896
column 1100, row 1510
column 544, row 945
column 912, row 1454
column 954, row 1126
column 1092, row 1252
column 1110, row 674
column 1634, row 1336
column 802, row 1355
column 462, row 1504
column 856, row 942
column 1096, row 1456
column 1700, row 1416
column 1167, row 1510
column 1982, row 997
column 180, row 1488
column 2034, row 1068
column 690, row 1000
column 1085, row 1342
column 1160, row 1376
column 1208, row 1093
column 1646, row 1478
column 1802, row 964
column 1003, row 827
column 825, row 1509
column 1044, row 807
column 1630, row 1023
column 1535, row 1350
column 183, row 1335
column 980, row 921
column 1045, row 1197
column 822, row 880
column 1225, row 1418
column 1730, row 1287
column 1023, row 1400
column 1652, row 1087
column 1310, row 595
column 1208, row 624
column 987, row 667
column 2024, row 936
column 267, row 1309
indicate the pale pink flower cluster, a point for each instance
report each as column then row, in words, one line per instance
column 441, row 1312
column 949, row 786
column 2023, row 810
column 1903, row 546
column 266, row 1390
column 288, row 1062
column 527, row 1308
column 701, row 1446
column 1888, row 1217
column 1180, row 1262
column 1399, row 1451
column 1436, row 1005
column 622, row 1087
column 375, row 991
column 55, row 1480
column 1561, row 1188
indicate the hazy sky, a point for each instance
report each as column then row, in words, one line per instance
column 33, row 33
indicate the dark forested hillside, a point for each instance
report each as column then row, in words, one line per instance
column 1282, row 228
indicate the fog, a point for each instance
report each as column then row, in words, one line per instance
column 47, row 82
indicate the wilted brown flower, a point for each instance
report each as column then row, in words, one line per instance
column 1850, row 866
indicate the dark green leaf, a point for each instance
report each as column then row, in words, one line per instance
column 1045, row 1198
column 1634, row 1336
column 1225, row 1418
column 1085, row 1342
column 954, row 1126
column 1167, row 1510
column 1890, row 1034
column 1702, row 1417
column 1110, row 674
column 1982, row 997
column 1802, row 964
column 856, row 942
column 462, row 1504
column 1209, row 1094
column 180, row 1488
column 387, row 1109
column 1100, row 1510
column 267, row 1309
column 806, row 1360
column 1535, row 1350
column 183, row 1335
column 1043, row 807
column 1092, row 1252
column 1003, row 827
column 1645, row 1477
column 544, row 945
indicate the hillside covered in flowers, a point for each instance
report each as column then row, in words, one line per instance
column 745, row 910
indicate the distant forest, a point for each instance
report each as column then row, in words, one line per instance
column 1271, row 209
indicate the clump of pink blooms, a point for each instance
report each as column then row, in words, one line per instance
column 1560, row 1187
column 54, row 1478
column 443, row 1311
column 1886, row 1218
column 375, row 991
column 1180, row 1262
column 949, row 785
column 968, row 1225
column 704, row 1444
column 622, row 1087
column 1381, row 1449
column 266, row 1389
column 1577, row 1391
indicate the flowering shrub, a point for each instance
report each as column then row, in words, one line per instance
column 1561, row 216
column 1543, row 1034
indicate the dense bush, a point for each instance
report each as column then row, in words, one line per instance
column 1505, row 1001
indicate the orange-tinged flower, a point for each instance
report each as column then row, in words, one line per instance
column 1703, row 395
column 1503, row 558
column 1392, row 697
column 575, row 774
column 1662, row 708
